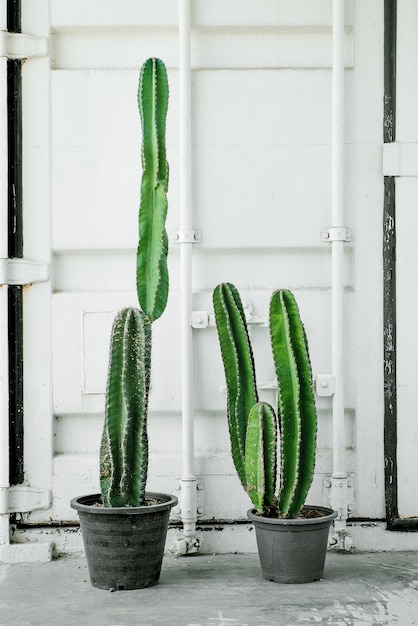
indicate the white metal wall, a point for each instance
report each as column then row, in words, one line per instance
column 401, row 160
column 261, row 96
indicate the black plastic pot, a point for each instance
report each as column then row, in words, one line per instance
column 293, row 550
column 124, row 545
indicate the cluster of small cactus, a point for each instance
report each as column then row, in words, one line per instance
column 253, row 426
column 124, row 445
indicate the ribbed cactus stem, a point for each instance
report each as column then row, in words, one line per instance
column 124, row 447
column 261, row 456
column 296, row 402
column 239, row 369
column 152, row 271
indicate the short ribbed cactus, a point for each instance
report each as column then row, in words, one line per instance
column 124, row 446
column 253, row 424
column 261, row 456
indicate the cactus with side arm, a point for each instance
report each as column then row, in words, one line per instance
column 296, row 412
column 124, row 445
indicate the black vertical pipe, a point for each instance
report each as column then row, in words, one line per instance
column 389, row 271
column 389, row 103
column 15, row 246
column 389, row 351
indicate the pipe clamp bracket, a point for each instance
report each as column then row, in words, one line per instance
column 22, row 272
column 336, row 233
column 325, row 384
column 198, row 497
column 202, row 319
column 187, row 236
column 24, row 499
column 22, row 46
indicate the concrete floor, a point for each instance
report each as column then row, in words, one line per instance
column 209, row 590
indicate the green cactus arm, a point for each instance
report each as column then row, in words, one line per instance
column 124, row 445
column 296, row 402
column 309, row 421
column 261, row 456
column 288, row 400
column 152, row 270
column 238, row 364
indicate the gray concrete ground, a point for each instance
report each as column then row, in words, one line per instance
column 210, row 590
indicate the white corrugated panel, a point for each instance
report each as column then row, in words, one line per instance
column 261, row 95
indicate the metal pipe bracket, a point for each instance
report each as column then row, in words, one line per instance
column 336, row 233
column 186, row 236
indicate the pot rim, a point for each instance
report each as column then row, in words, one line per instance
column 329, row 515
column 88, row 504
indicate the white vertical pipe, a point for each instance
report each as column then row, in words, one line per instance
column 4, row 358
column 338, row 245
column 188, row 481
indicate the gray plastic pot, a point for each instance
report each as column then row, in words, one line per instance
column 124, row 545
column 293, row 550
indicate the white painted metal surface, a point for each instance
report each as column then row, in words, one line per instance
column 257, row 153
column 261, row 193
column 363, row 305
column 403, row 164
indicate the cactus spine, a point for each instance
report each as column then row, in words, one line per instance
column 124, row 445
column 296, row 404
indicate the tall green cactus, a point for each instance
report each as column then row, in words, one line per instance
column 257, row 435
column 124, row 445
column 296, row 402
